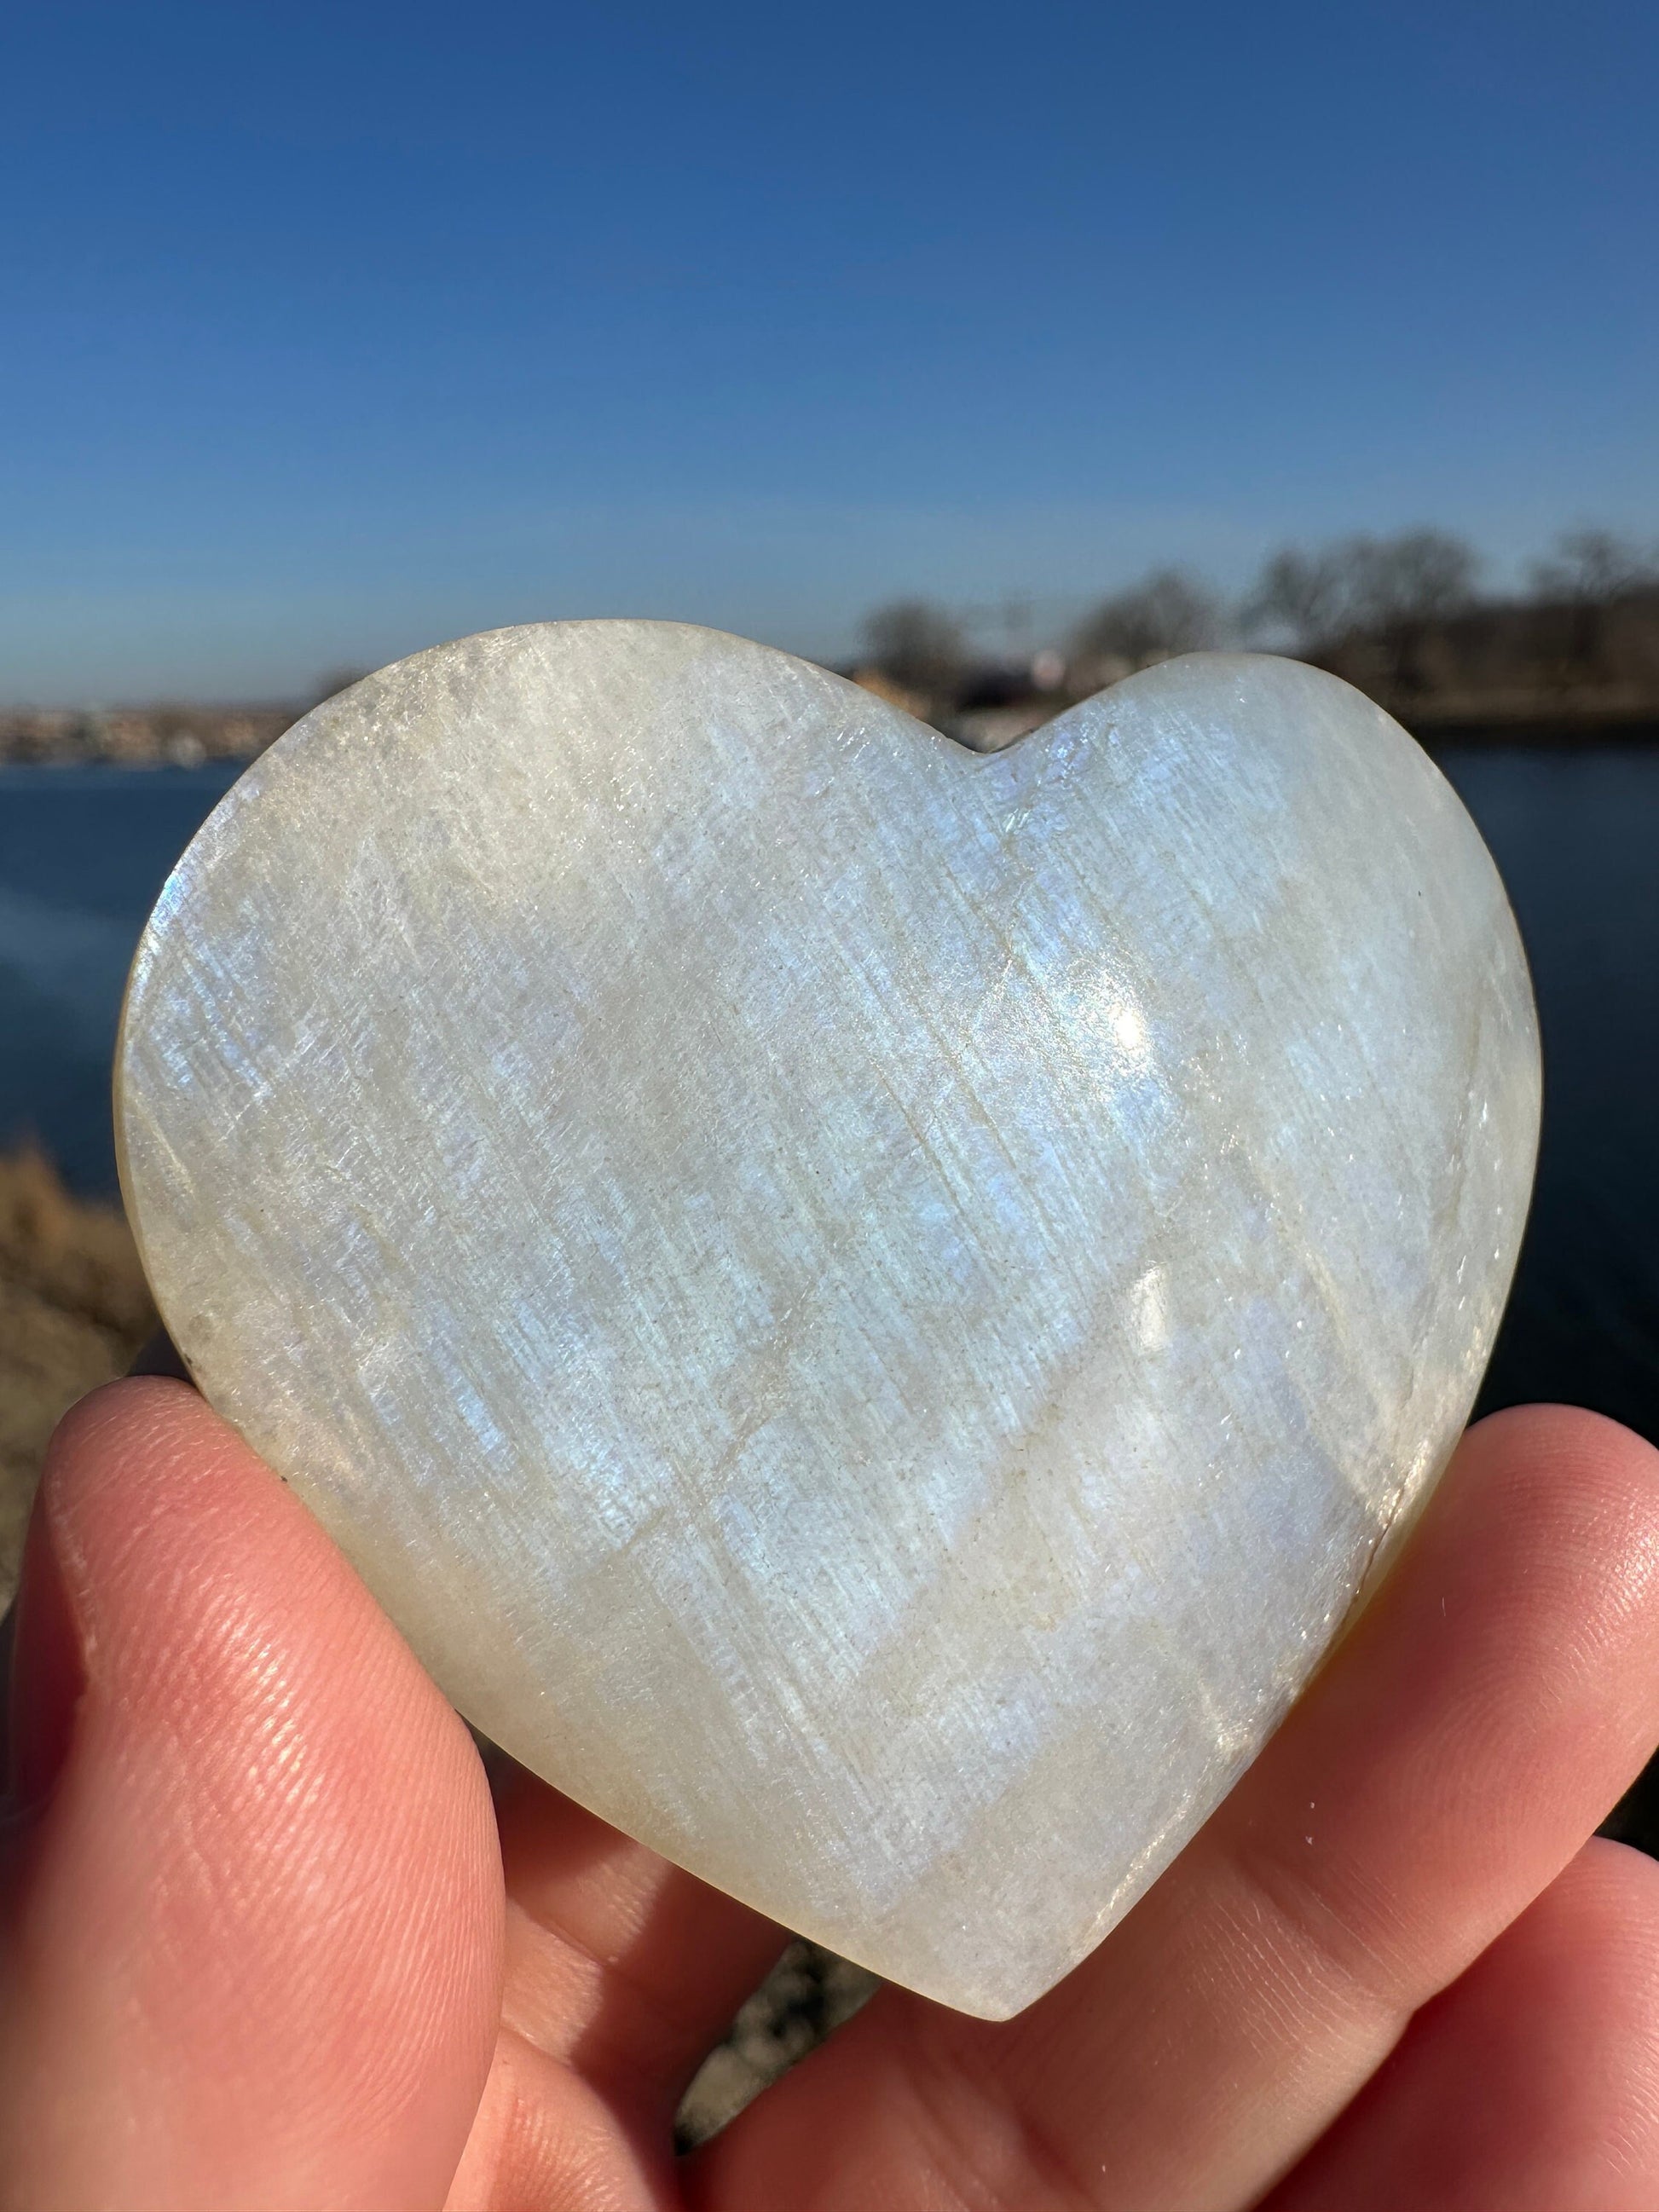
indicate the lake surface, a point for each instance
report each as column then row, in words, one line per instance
column 83, row 853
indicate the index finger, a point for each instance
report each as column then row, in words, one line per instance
column 253, row 1922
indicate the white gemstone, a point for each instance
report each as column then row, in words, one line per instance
column 866, row 1308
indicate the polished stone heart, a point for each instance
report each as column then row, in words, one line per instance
column 867, row 1309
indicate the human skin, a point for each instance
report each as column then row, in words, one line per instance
column 270, row 1945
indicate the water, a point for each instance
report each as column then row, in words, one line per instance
column 1576, row 835
column 83, row 853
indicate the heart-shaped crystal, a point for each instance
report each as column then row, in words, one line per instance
column 866, row 1308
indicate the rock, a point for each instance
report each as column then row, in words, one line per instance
column 868, row 1310
column 806, row 1996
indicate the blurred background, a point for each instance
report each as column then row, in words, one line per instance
column 985, row 356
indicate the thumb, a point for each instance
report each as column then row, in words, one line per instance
column 251, row 1909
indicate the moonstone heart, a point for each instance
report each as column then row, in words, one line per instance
column 867, row 1309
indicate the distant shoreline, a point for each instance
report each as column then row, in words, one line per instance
column 27, row 748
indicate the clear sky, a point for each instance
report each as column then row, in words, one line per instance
column 329, row 330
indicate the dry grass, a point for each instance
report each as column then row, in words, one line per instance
column 74, row 1309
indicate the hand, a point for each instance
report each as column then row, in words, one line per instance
column 264, row 1949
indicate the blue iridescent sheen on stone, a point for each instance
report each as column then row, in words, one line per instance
column 867, row 1309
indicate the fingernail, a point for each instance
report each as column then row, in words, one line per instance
column 47, row 1676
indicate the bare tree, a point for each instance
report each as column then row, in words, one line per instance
column 1168, row 612
column 1309, row 598
column 917, row 644
column 1419, row 576
column 1593, row 568
column 1407, row 586
column 1391, row 589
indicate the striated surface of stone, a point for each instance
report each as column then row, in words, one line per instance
column 867, row 1309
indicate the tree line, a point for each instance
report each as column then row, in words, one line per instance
column 1400, row 614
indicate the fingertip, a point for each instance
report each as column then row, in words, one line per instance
column 1605, row 1902
column 1563, row 1502
column 1568, row 1449
column 267, row 1894
column 119, row 1450
column 141, row 1415
column 1553, row 1430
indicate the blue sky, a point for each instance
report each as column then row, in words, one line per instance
column 327, row 332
